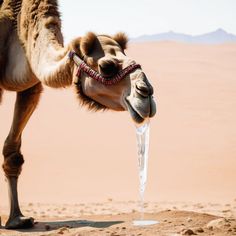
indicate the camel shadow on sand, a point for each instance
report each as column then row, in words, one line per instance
column 43, row 226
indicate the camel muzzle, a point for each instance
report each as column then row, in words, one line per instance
column 143, row 89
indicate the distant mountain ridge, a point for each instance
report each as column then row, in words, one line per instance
column 216, row 37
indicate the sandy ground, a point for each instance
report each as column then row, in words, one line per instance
column 115, row 218
column 75, row 157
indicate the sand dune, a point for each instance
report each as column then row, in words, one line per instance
column 74, row 156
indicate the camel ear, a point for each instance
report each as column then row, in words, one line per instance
column 75, row 46
column 88, row 43
column 122, row 39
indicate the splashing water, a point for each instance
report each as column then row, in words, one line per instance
column 142, row 134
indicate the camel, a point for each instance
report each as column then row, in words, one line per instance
column 32, row 54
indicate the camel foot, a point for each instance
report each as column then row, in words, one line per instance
column 20, row 222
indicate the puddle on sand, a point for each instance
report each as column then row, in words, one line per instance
column 142, row 134
column 144, row 222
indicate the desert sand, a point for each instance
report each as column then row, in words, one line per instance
column 116, row 219
column 80, row 175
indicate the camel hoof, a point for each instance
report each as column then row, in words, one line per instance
column 20, row 222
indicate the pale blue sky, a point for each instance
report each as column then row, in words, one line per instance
column 137, row 17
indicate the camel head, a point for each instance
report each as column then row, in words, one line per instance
column 105, row 55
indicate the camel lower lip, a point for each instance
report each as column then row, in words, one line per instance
column 135, row 116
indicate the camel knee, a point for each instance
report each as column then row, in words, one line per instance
column 12, row 164
column 13, row 159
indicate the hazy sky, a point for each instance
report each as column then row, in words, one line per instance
column 137, row 17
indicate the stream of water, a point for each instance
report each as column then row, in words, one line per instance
column 142, row 134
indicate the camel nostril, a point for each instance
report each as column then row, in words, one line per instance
column 143, row 89
column 143, row 85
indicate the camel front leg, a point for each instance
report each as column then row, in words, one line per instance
column 25, row 105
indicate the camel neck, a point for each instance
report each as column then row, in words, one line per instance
column 40, row 33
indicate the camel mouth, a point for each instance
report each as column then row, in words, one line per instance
column 141, row 109
column 134, row 114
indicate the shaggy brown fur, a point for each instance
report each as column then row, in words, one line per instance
column 32, row 12
column 87, row 43
column 6, row 24
column 83, row 46
column 121, row 39
column 35, row 16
